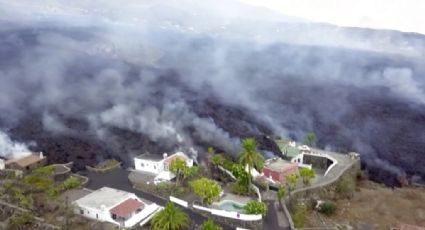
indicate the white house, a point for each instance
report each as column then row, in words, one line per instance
column 159, row 164
column 115, row 206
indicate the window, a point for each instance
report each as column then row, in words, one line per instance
column 114, row 216
column 81, row 212
column 142, row 165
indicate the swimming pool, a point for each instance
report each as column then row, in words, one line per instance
column 229, row 205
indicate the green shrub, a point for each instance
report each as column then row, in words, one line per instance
column 256, row 208
column 328, row 208
column 38, row 181
column 299, row 215
column 210, row 225
column 44, row 171
column 345, row 187
column 19, row 219
column 71, row 182
column 239, row 188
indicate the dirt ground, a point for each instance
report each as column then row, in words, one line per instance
column 378, row 207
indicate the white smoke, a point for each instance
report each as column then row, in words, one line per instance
column 10, row 149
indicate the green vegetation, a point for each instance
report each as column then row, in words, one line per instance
column 210, row 225
column 299, row 216
column 281, row 192
column 44, row 171
column 20, row 219
column 310, row 138
column 328, row 208
column 177, row 166
column 107, row 164
column 256, row 208
column 218, row 159
column 208, row 190
column 250, row 156
column 241, row 186
column 71, row 182
column 307, row 174
column 38, row 182
column 166, row 189
column 170, row 218
column 345, row 187
column 291, row 181
column 182, row 171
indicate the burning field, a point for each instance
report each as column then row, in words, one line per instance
column 87, row 85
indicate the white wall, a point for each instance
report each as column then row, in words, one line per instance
column 2, row 166
column 103, row 216
column 148, row 166
column 230, row 214
column 147, row 211
column 106, row 216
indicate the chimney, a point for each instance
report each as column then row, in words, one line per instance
column 41, row 155
column 165, row 155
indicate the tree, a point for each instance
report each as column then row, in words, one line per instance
column 307, row 174
column 250, row 156
column 170, row 218
column 218, row 159
column 291, row 181
column 208, row 190
column 256, row 208
column 210, row 225
column 178, row 166
column 281, row 192
column 310, row 138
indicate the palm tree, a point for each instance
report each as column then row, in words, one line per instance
column 250, row 156
column 170, row 218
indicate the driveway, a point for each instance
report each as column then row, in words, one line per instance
column 118, row 179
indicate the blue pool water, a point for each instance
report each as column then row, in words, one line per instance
column 231, row 206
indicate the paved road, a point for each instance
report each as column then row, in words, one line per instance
column 271, row 220
column 119, row 179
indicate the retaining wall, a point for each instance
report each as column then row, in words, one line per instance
column 322, row 191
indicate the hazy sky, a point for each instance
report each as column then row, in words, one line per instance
column 403, row 15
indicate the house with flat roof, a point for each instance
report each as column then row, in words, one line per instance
column 118, row 207
column 159, row 164
column 277, row 169
column 27, row 163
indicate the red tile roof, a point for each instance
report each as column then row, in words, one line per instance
column 126, row 208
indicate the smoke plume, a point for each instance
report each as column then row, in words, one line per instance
column 119, row 79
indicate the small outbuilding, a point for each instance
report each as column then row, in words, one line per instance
column 277, row 169
column 27, row 163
